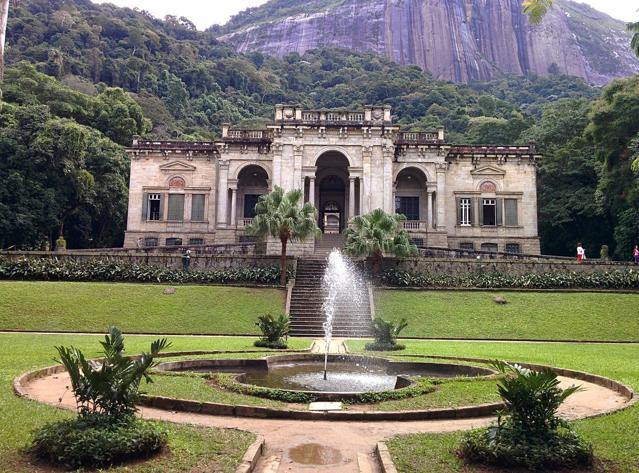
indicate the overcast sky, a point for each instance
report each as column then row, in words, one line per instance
column 206, row 13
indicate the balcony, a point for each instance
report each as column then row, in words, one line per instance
column 418, row 138
column 244, row 222
column 415, row 225
column 247, row 136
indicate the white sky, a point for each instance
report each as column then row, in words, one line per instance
column 206, row 13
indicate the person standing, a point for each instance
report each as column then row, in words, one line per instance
column 635, row 253
column 581, row 253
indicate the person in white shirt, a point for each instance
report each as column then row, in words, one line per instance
column 581, row 253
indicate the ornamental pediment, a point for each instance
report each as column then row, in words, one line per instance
column 177, row 166
column 491, row 171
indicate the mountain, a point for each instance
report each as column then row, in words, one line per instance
column 458, row 40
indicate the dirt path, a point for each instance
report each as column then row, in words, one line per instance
column 345, row 446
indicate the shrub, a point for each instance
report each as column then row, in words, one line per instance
column 530, row 434
column 274, row 330
column 97, row 441
column 622, row 279
column 385, row 334
column 109, row 386
column 102, row 269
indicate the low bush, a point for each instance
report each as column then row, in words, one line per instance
column 106, row 270
column 97, row 441
column 528, row 432
column 623, row 279
column 385, row 334
column 274, row 330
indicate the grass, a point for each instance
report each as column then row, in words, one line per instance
column 192, row 449
column 613, row 436
column 528, row 315
column 141, row 308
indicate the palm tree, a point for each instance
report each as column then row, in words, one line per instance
column 634, row 29
column 378, row 233
column 4, row 16
column 537, row 9
column 282, row 216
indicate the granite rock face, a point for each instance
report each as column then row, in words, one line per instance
column 458, row 40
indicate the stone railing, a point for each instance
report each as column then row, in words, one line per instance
column 417, row 137
column 415, row 225
column 244, row 222
column 139, row 144
column 249, row 135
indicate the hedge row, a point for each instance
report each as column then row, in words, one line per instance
column 623, row 279
column 44, row 269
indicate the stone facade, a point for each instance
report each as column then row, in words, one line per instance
column 347, row 163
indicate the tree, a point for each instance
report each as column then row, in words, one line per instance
column 376, row 234
column 4, row 16
column 537, row 9
column 634, row 29
column 282, row 215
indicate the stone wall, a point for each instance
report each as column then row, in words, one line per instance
column 517, row 267
column 174, row 261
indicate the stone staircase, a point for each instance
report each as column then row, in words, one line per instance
column 349, row 321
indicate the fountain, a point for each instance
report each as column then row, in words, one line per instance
column 343, row 286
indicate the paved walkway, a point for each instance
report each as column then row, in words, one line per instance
column 347, row 446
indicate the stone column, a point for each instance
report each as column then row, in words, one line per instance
column 234, row 206
column 429, row 210
column 351, row 197
column 441, row 196
column 222, row 193
column 311, row 190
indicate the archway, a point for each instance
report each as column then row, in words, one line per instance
column 252, row 182
column 411, row 194
column 332, row 200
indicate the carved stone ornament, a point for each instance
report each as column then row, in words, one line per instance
column 488, row 187
column 378, row 114
column 177, row 183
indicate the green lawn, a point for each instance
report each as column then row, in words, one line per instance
column 614, row 436
column 528, row 315
column 192, row 449
column 142, row 308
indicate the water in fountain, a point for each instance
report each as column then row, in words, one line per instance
column 343, row 287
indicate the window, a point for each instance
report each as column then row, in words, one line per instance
column 418, row 242
column 491, row 247
column 197, row 208
column 154, row 207
column 465, row 212
column 467, row 246
column 489, row 212
column 408, row 207
column 510, row 213
column 196, row 241
column 513, row 248
column 176, row 207
column 174, row 242
column 250, row 201
column 151, row 242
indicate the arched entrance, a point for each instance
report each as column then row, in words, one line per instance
column 411, row 198
column 332, row 199
column 252, row 182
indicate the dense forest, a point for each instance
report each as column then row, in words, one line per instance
column 84, row 78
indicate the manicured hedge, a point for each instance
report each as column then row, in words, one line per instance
column 623, row 279
column 44, row 269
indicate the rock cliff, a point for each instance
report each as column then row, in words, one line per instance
column 459, row 40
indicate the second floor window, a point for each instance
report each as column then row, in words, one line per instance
column 408, row 207
column 197, row 208
column 154, row 207
column 465, row 211
column 489, row 212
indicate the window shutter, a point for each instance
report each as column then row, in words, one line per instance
column 481, row 212
column 161, row 207
column 459, row 212
column 499, row 212
column 471, row 211
column 145, row 206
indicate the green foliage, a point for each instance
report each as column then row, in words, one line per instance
column 537, row 9
column 622, row 279
column 377, row 234
column 274, row 330
column 96, row 441
column 385, row 334
column 282, row 215
column 110, row 386
column 44, row 269
column 634, row 29
column 530, row 434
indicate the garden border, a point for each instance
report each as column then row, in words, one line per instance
column 464, row 412
column 252, row 456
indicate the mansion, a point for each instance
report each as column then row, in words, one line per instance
column 347, row 163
